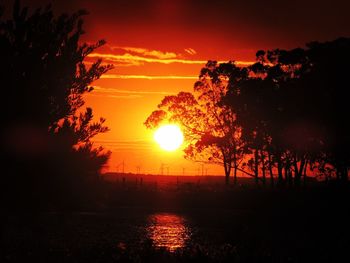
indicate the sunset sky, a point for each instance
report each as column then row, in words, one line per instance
column 159, row 46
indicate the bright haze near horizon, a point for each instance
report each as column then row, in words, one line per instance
column 158, row 48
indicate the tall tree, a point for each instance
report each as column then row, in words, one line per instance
column 210, row 127
column 286, row 113
column 294, row 101
column 44, row 78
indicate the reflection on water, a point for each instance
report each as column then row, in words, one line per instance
column 168, row 230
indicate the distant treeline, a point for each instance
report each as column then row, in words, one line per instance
column 282, row 117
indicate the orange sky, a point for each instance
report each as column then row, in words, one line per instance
column 158, row 48
column 129, row 93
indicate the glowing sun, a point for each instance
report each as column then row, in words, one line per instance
column 169, row 137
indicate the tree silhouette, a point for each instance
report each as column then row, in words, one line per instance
column 210, row 127
column 326, row 77
column 44, row 78
column 286, row 114
column 291, row 106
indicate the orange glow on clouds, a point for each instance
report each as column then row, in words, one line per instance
column 159, row 47
column 150, row 77
column 126, row 95
column 134, row 60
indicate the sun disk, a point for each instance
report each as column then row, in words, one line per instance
column 169, row 137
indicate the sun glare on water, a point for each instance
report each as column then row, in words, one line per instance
column 169, row 137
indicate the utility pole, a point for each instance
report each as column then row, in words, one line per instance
column 162, row 169
column 138, row 169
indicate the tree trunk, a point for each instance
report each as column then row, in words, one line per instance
column 288, row 175
column 270, row 169
column 304, row 173
column 263, row 167
column 298, row 170
column 227, row 167
column 235, row 175
column 279, row 169
column 256, row 166
column 235, row 168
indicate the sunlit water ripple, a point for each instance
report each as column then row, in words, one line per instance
column 168, row 231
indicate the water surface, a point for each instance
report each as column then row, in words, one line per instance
column 170, row 231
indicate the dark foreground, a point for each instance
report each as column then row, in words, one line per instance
column 226, row 225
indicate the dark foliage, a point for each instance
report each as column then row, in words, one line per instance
column 284, row 116
column 45, row 136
